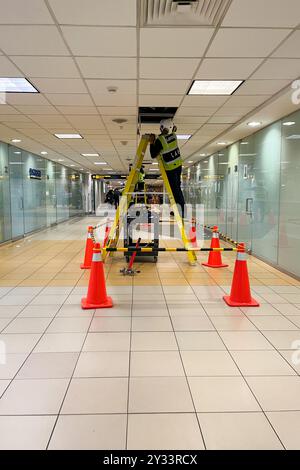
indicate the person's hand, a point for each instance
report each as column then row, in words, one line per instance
column 174, row 128
column 152, row 138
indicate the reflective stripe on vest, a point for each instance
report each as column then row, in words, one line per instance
column 170, row 152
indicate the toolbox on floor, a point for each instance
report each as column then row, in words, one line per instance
column 141, row 223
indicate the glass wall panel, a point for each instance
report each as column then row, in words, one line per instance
column 16, row 192
column 50, row 193
column 62, row 193
column 34, row 186
column 5, row 220
column 75, row 193
column 231, row 180
column 289, row 226
column 221, row 196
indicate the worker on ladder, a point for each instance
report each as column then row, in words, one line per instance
column 166, row 146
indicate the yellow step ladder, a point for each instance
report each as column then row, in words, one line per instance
column 126, row 198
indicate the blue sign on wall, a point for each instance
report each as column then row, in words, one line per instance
column 35, row 174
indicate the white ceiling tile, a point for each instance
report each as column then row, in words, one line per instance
column 237, row 111
column 195, row 100
column 20, row 11
column 117, row 110
column 223, row 119
column 97, row 87
column 211, row 129
column 95, row 12
column 168, row 68
column 246, row 42
column 49, row 121
column 77, row 110
column 49, row 67
column 7, row 69
column 196, row 111
column 37, row 109
column 6, row 109
column 26, row 98
column 266, row 13
column 59, row 85
column 290, row 48
column 278, row 69
column 86, row 122
column 175, row 42
column 190, row 120
column 227, row 69
column 159, row 100
column 90, row 41
column 247, row 101
column 164, row 87
column 261, row 87
column 108, row 67
column 32, row 40
column 70, row 99
column 13, row 118
column 108, row 99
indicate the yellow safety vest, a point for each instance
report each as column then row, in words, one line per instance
column 141, row 177
column 170, row 152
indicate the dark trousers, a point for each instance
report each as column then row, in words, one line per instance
column 174, row 177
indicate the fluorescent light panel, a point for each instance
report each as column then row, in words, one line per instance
column 184, row 136
column 16, row 85
column 90, row 154
column 214, row 87
column 68, row 136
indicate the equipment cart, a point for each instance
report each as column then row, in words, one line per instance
column 142, row 223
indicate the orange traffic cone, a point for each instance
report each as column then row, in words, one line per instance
column 96, row 296
column 193, row 233
column 240, row 295
column 88, row 250
column 215, row 258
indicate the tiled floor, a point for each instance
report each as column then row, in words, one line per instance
column 169, row 367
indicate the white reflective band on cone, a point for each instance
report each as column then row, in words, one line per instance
column 241, row 256
column 215, row 235
column 89, row 235
column 97, row 257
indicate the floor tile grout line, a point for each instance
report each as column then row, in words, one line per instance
column 187, row 382
column 129, row 367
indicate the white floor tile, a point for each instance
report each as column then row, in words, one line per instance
column 39, row 311
column 105, row 395
column 48, row 366
column 199, row 341
column 222, row 394
column 69, row 325
column 106, row 324
column 107, row 342
column 273, row 323
column 209, row 363
column 60, row 343
column 192, row 323
column 25, row 432
column 10, row 364
column 231, row 323
column 89, row 432
column 284, row 339
column 153, row 341
column 103, row 364
column 261, row 363
column 27, row 325
column 11, row 311
column 276, row 393
column 245, row 340
column 18, row 343
column 238, row 431
column 164, row 431
column 3, row 385
column 33, row 397
column 151, row 324
column 155, row 364
column 159, row 395
column 287, row 426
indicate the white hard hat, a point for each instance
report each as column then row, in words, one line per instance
column 166, row 124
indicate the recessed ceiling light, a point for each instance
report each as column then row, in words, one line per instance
column 222, row 143
column 16, row 141
column 72, row 165
column 214, row 87
column 293, row 137
column 244, row 143
column 16, row 85
column 184, row 136
column 254, row 124
column 100, row 163
column 202, row 155
column 68, row 136
column 191, row 161
column 90, row 154
column 17, row 153
column 60, row 160
column 288, row 123
column 44, row 153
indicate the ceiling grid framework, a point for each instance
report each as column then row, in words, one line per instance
column 73, row 55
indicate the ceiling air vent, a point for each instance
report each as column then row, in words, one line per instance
column 183, row 12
